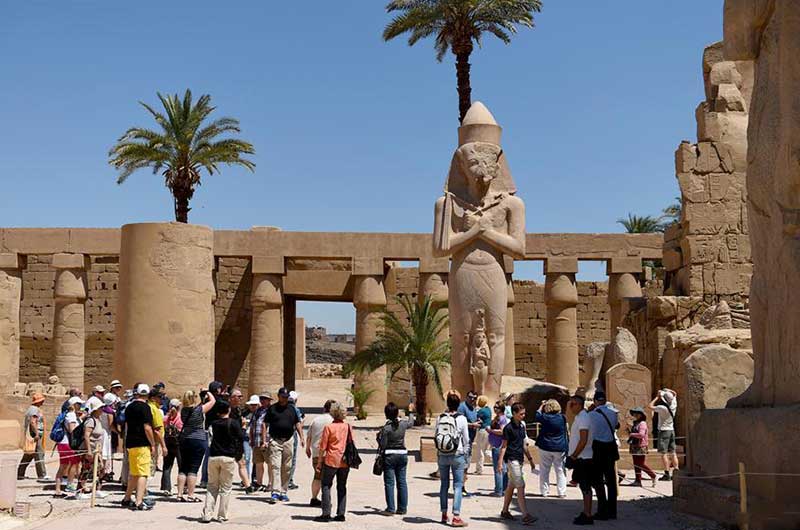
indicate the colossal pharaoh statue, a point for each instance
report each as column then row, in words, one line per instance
column 477, row 221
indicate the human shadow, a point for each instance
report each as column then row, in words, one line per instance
column 419, row 520
column 303, row 517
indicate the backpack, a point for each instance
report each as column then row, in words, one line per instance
column 76, row 436
column 447, row 438
column 57, row 431
column 119, row 414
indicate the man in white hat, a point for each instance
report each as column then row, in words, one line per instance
column 665, row 405
column 140, row 443
column 115, row 387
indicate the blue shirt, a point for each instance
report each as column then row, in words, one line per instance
column 485, row 417
column 472, row 416
column 552, row 432
column 600, row 428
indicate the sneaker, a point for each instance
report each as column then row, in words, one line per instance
column 665, row 478
column 315, row 502
column 126, row 503
column 496, row 494
column 387, row 512
column 636, row 483
column 250, row 490
column 400, row 512
column 322, row 518
column 293, row 486
column 265, row 489
column 445, row 519
column 583, row 520
column 465, row 493
column 339, row 518
column 458, row 522
column 142, row 507
column 275, row 497
column 284, row 497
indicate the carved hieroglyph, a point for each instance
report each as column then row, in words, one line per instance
column 477, row 221
column 769, row 32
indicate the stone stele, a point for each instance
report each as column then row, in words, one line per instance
column 165, row 324
column 628, row 385
column 478, row 221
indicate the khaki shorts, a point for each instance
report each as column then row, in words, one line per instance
column 139, row 461
column 260, row 455
column 516, row 474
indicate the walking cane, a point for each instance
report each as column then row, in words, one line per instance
column 95, row 459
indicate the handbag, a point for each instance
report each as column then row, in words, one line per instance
column 378, row 465
column 351, row 456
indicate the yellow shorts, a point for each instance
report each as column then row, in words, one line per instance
column 139, row 461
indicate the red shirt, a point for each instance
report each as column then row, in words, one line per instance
column 333, row 442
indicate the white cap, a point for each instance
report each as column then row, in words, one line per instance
column 294, row 395
column 254, row 400
column 143, row 390
column 93, row 403
column 73, row 400
column 110, row 399
column 115, row 384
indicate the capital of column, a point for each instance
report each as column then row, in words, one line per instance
column 559, row 286
column 70, row 284
column 368, row 293
column 267, row 291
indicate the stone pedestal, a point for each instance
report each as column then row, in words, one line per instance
column 10, row 296
column 164, row 328
column 434, row 285
column 369, row 300
column 561, row 299
column 69, row 330
column 623, row 283
column 266, row 339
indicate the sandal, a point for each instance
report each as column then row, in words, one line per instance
column 529, row 519
column 181, row 498
column 195, row 499
column 506, row 515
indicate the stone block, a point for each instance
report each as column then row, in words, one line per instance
column 672, row 259
column 685, row 157
column 9, row 260
column 707, row 158
column 68, row 261
column 694, row 187
column 567, row 265
column 729, row 98
column 268, row 265
column 623, row 265
column 368, row 266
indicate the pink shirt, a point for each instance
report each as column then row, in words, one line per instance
column 640, row 432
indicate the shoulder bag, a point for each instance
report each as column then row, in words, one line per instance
column 351, row 456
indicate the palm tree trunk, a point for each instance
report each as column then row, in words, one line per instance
column 181, row 206
column 420, row 379
column 462, row 53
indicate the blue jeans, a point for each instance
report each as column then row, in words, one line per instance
column 394, row 469
column 204, row 477
column 500, row 479
column 248, row 456
column 457, row 465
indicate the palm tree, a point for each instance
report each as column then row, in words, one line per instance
column 672, row 213
column 183, row 147
column 636, row 224
column 455, row 25
column 411, row 343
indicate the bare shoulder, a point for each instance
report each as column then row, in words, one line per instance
column 515, row 203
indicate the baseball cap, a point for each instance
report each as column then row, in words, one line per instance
column 115, row 384
column 254, row 400
column 283, row 392
column 99, row 388
column 143, row 390
column 74, row 399
column 293, row 395
column 110, row 399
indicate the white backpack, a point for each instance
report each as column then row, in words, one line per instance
column 447, row 438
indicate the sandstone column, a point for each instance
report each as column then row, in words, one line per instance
column 561, row 299
column 369, row 299
column 164, row 326
column 433, row 283
column 623, row 283
column 69, row 330
column 266, row 339
column 10, row 296
column 300, row 349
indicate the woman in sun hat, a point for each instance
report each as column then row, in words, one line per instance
column 34, row 429
column 173, row 425
column 93, row 436
column 69, row 462
column 107, row 422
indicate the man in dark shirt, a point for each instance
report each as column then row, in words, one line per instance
column 511, row 452
column 226, row 444
column 214, row 387
column 140, row 444
column 283, row 421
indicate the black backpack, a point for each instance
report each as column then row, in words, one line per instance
column 76, row 436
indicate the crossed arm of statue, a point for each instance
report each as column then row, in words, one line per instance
column 512, row 243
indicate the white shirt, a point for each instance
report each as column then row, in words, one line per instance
column 463, row 430
column 71, row 417
column 665, row 420
column 582, row 422
column 315, row 429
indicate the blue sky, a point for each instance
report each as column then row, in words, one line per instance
column 352, row 134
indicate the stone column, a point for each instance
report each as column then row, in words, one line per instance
column 69, row 329
column 164, row 324
column 300, row 349
column 266, row 339
column 433, row 283
column 623, row 282
column 289, row 346
column 369, row 299
column 10, row 297
column 561, row 299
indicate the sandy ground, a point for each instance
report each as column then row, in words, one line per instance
column 638, row 507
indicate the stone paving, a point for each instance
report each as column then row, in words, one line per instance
column 639, row 508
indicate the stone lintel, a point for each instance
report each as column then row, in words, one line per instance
column 368, row 266
column 623, row 265
column 434, row 265
column 9, row 260
column 268, row 265
column 568, row 265
column 63, row 260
